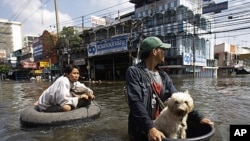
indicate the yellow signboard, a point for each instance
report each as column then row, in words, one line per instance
column 44, row 64
column 38, row 71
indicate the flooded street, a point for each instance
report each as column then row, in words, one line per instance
column 223, row 100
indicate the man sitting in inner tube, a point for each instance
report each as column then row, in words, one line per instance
column 58, row 97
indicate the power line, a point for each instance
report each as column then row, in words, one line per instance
column 238, row 9
column 19, row 11
column 32, row 13
column 88, row 20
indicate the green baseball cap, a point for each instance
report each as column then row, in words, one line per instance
column 152, row 42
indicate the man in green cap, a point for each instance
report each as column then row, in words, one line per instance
column 146, row 83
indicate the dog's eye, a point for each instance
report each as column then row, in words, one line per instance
column 176, row 102
column 186, row 102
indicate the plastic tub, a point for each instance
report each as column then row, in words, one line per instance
column 196, row 132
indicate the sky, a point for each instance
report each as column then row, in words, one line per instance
column 39, row 15
column 236, row 30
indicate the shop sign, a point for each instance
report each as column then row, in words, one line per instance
column 216, row 8
column 44, row 64
column 199, row 60
column 38, row 71
column 115, row 44
column 79, row 61
column 32, row 65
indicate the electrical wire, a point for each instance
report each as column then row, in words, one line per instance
column 238, row 10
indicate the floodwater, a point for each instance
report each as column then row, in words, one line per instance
column 223, row 100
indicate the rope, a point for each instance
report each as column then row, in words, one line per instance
column 94, row 103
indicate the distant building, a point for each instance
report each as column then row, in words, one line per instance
column 232, row 59
column 225, row 53
column 28, row 40
column 45, row 54
column 27, row 50
column 10, row 37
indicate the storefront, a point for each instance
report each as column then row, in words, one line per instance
column 108, row 59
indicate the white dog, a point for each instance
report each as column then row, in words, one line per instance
column 172, row 120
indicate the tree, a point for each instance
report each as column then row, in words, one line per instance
column 71, row 38
column 69, row 41
column 4, row 69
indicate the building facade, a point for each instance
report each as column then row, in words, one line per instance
column 232, row 59
column 115, row 46
column 10, row 37
column 28, row 40
column 24, row 62
column 180, row 23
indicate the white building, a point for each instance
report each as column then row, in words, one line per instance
column 10, row 37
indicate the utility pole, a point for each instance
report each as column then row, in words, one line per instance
column 132, row 26
column 83, row 44
column 194, row 24
column 139, row 44
column 57, row 18
column 58, row 35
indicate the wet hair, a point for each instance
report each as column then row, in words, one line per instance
column 69, row 68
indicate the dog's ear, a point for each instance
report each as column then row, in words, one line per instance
column 186, row 92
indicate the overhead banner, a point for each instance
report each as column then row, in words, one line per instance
column 98, row 20
column 115, row 44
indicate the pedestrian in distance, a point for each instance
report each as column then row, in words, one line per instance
column 147, row 86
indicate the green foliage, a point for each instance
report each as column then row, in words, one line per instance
column 70, row 38
column 4, row 69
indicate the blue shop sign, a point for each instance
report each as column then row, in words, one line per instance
column 200, row 60
column 115, row 44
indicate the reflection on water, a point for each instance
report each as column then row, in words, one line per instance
column 224, row 100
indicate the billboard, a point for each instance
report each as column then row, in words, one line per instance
column 98, row 20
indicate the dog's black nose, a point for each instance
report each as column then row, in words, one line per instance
column 181, row 112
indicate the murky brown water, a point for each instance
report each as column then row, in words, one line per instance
column 224, row 100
